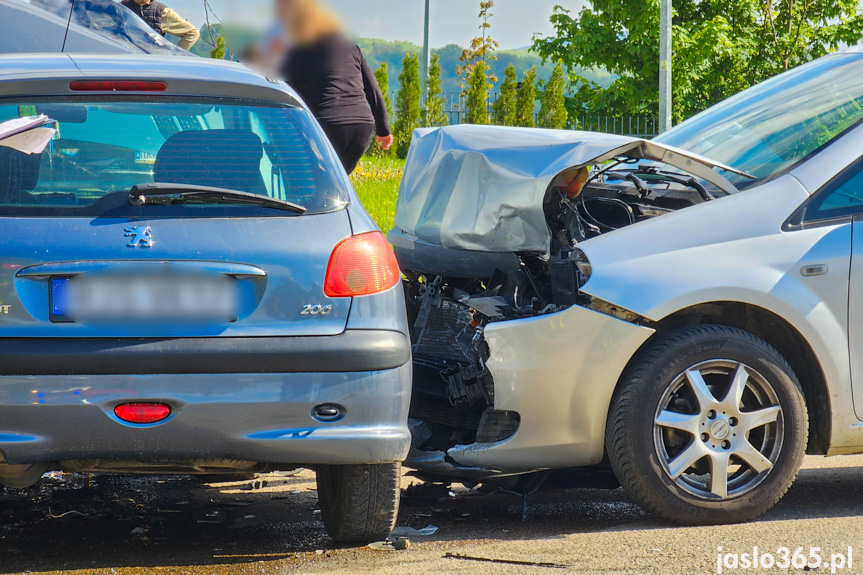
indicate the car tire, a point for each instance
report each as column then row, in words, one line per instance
column 359, row 503
column 672, row 443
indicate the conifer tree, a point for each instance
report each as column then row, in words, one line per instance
column 408, row 110
column 434, row 115
column 525, row 101
column 552, row 104
column 504, row 108
column 382, row 75
column 476, row 104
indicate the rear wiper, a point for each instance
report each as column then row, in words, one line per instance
column 166, row 193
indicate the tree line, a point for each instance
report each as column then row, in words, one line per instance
column 515, row 105
column 392, row 52
column 720, row 47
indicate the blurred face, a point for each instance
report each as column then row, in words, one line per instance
column 288, row 10
column 284, row 8
column 142, row 2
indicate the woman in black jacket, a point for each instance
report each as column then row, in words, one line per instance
column 334, row 80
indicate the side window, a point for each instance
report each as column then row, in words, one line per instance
column 841, row 198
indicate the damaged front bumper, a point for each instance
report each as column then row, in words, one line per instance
column 558, row 373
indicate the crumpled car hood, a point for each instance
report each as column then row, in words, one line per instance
column 481, row 188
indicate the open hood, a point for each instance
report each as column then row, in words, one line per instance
column 481, row 188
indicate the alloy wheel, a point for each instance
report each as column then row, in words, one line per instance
column 718, row 429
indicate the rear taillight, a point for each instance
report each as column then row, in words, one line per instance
column 361, row 265
column 117, row 86
column 142, row 413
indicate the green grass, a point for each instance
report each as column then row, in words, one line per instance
column 376, row 181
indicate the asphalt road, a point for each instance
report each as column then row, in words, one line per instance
column 113, row 525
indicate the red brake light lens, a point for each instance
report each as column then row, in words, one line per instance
column 361, row 265
column 142, row 412
column 117, row 86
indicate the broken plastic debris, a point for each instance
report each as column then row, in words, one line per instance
column 254, row 484
column 411, row 532
column 392, row 544
column 402, row 543
column 487, row 306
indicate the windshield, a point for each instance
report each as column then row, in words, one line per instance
column 91, row 20
column 773, row 125
column 104, row 147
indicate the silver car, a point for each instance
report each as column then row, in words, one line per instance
column 587, row 300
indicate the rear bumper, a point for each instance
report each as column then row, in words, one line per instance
column 351, row 351
column 255, row 417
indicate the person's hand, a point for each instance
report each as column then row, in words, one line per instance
column 386, row 142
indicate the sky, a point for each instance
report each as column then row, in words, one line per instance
column 452, row 21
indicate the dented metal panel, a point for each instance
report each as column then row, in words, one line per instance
column 558, row 372
column 481, row 188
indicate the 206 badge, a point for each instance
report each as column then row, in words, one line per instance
column 141, row 236
column 316, row 309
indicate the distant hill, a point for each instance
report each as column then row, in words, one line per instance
column 392, row 52
column 377, row 51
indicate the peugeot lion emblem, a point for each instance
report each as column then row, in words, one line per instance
column 141, row 236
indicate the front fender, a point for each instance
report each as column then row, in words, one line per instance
column 735, row 250
column 559, row 372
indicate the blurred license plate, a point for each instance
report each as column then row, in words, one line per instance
column 111, row 298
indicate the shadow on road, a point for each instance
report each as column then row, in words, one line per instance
column 76, row 522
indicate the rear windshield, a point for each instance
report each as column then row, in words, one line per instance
column 104, row 147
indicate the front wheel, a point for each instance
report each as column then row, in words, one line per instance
column 708, row 426
column 359, row 503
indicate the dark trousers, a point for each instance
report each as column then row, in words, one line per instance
column 350, row 141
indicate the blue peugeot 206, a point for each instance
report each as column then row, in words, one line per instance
column 189, row 284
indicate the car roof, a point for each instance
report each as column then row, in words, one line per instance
column 50, row 74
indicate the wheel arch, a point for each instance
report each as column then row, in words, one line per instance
column 777, row 332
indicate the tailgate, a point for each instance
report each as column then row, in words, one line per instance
column 279, row 264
